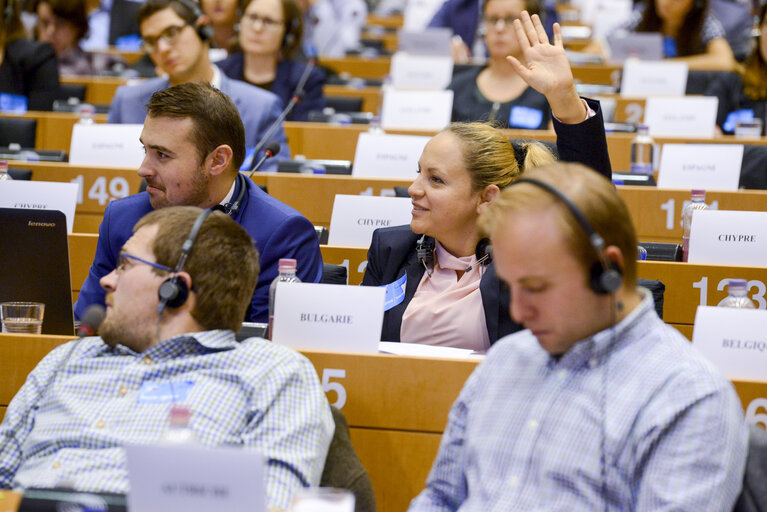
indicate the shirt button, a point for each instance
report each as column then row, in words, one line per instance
column 100, row 424
column 56, row 465
column 532, row 424
column 147, row 360
column 123, row 390
column 513, row 481
column 593, row 362
column 562, row 374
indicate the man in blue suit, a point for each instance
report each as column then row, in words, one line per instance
column 195, row 143
column 177, row 40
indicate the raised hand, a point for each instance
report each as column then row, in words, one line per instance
column 546, row 68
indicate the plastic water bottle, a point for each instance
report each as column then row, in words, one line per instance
column 698, row 202
column 4, row 176
column 86, row 112
column 642, row 152
column 738, row 295
column 641, row 253
column 287, row 274
column 178, row 430
column 374, row 126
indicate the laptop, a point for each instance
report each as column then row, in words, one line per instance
column 35, row 264
column 640, row 45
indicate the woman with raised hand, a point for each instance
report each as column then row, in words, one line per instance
column 270, row 36
column 452, row 295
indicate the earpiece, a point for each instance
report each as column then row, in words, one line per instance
column 8, row 13
column 604, row 277
column 173, row 291
column 291, row 30
column 205, row 31
column 424, row 249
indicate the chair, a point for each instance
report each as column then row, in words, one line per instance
column 657, row 288
column 343, row 468
column 20, row 174
column 343, row 103
column 123, row 20
column 19, row 131
column 322, row 234
column 753, row 497
column 67, row 91
column 333, row 274
column 753, row 170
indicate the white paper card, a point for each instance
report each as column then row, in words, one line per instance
column 651, row 78
column 722, row 237
column 106, row 145
column 421, row 71
column 41, row 195
column 388, row 156
column 418, row 13
column 686, row 116
column 194, row 479
column 429, row 41
column 426, row 110
column 706, row 166
column 734, row 339
column 421, row 350
column 329, row 317
column 354, row 218
column 606, row 15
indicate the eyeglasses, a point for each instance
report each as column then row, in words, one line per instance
column 267, row 23
column 170, row 35
column 122, row 261
column 492, row 21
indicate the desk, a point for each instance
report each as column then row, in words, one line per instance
column 370, row 95
column 394, row 21
column 9, row 501
column 54, row 129
column 396, row 406
column 99, row 90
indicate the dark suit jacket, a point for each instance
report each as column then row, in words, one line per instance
column 285, row 81
column 278, row 230
column 392, row 251
column 30, row 69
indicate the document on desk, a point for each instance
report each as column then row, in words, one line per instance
column 421, row 350
column 733, row 339
column 194, row 479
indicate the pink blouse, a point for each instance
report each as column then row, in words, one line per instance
column 447, row 311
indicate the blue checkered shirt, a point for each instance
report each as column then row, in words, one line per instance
column 252, row 394
column 633, row 419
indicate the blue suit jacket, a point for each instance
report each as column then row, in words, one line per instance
column 392, row 251
column 258, row 110
column 278, row 230
column 285, row 81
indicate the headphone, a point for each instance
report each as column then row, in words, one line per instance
column 173, row 291
column 605, row 276
column 424, row 250
column 291, row 30
column 8, row 13
column 204, row 30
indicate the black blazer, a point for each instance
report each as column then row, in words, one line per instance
column 392, row 251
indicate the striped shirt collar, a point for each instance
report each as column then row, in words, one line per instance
column 189, row 343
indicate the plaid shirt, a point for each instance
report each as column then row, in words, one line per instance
column 252, row 394
column 633, row 416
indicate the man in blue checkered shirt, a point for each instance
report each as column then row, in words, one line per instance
column 599, row 405
column 85, row 400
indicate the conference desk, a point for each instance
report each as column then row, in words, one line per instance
column 396, row 406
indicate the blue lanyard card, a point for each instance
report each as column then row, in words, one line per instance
column 164, row 392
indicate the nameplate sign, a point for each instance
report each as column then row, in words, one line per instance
column 722, row 237
column 106, row 145
column 427, row 72
column 41, row 195
column 328, row 317
column 194, row 479
column 706, row 166
column 418, row 13
column 429, row 41
column 388, row 156
column 688, row 116
column 735, row 340
column 354, row 218
column 650, row 78
column 425, row 110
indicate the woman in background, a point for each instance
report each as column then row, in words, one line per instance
column 496, row 93
column 452, row 295
column 270, row 35
column 27, row 68
column 224, row 17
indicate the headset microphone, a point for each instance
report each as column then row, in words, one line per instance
column 484, row 248
column 271, row 149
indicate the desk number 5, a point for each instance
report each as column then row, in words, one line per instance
column 327, row 386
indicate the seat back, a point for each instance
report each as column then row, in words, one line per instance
column 19, row 131
column 753, row 496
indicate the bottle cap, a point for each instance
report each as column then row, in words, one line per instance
column 698, row 193
column 287, row 264
column 737, row 283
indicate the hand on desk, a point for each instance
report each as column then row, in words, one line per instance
column 546, row 68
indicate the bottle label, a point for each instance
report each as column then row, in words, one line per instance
column 641, row 168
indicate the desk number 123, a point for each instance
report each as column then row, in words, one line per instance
column 757, row 297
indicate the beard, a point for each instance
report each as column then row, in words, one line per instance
column 122, row 329
column 199, row 182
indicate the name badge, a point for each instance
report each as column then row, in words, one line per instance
column 395, row 292
column 164, row 392
column 525, row 117
column 13, row 103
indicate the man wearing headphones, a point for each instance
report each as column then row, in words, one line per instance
column 194, row 143
column 87, row 399
column 177, row 39
column 599, row 405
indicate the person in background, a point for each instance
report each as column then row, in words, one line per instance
column 598, row 404
column 63, row 24
column 496, row 93
column 692, row 34
column 27, row 68
column 224, row 16
column 178, row 39
column 332, row 27
column 270, row 35
column 117, row 389
column 451, row 297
